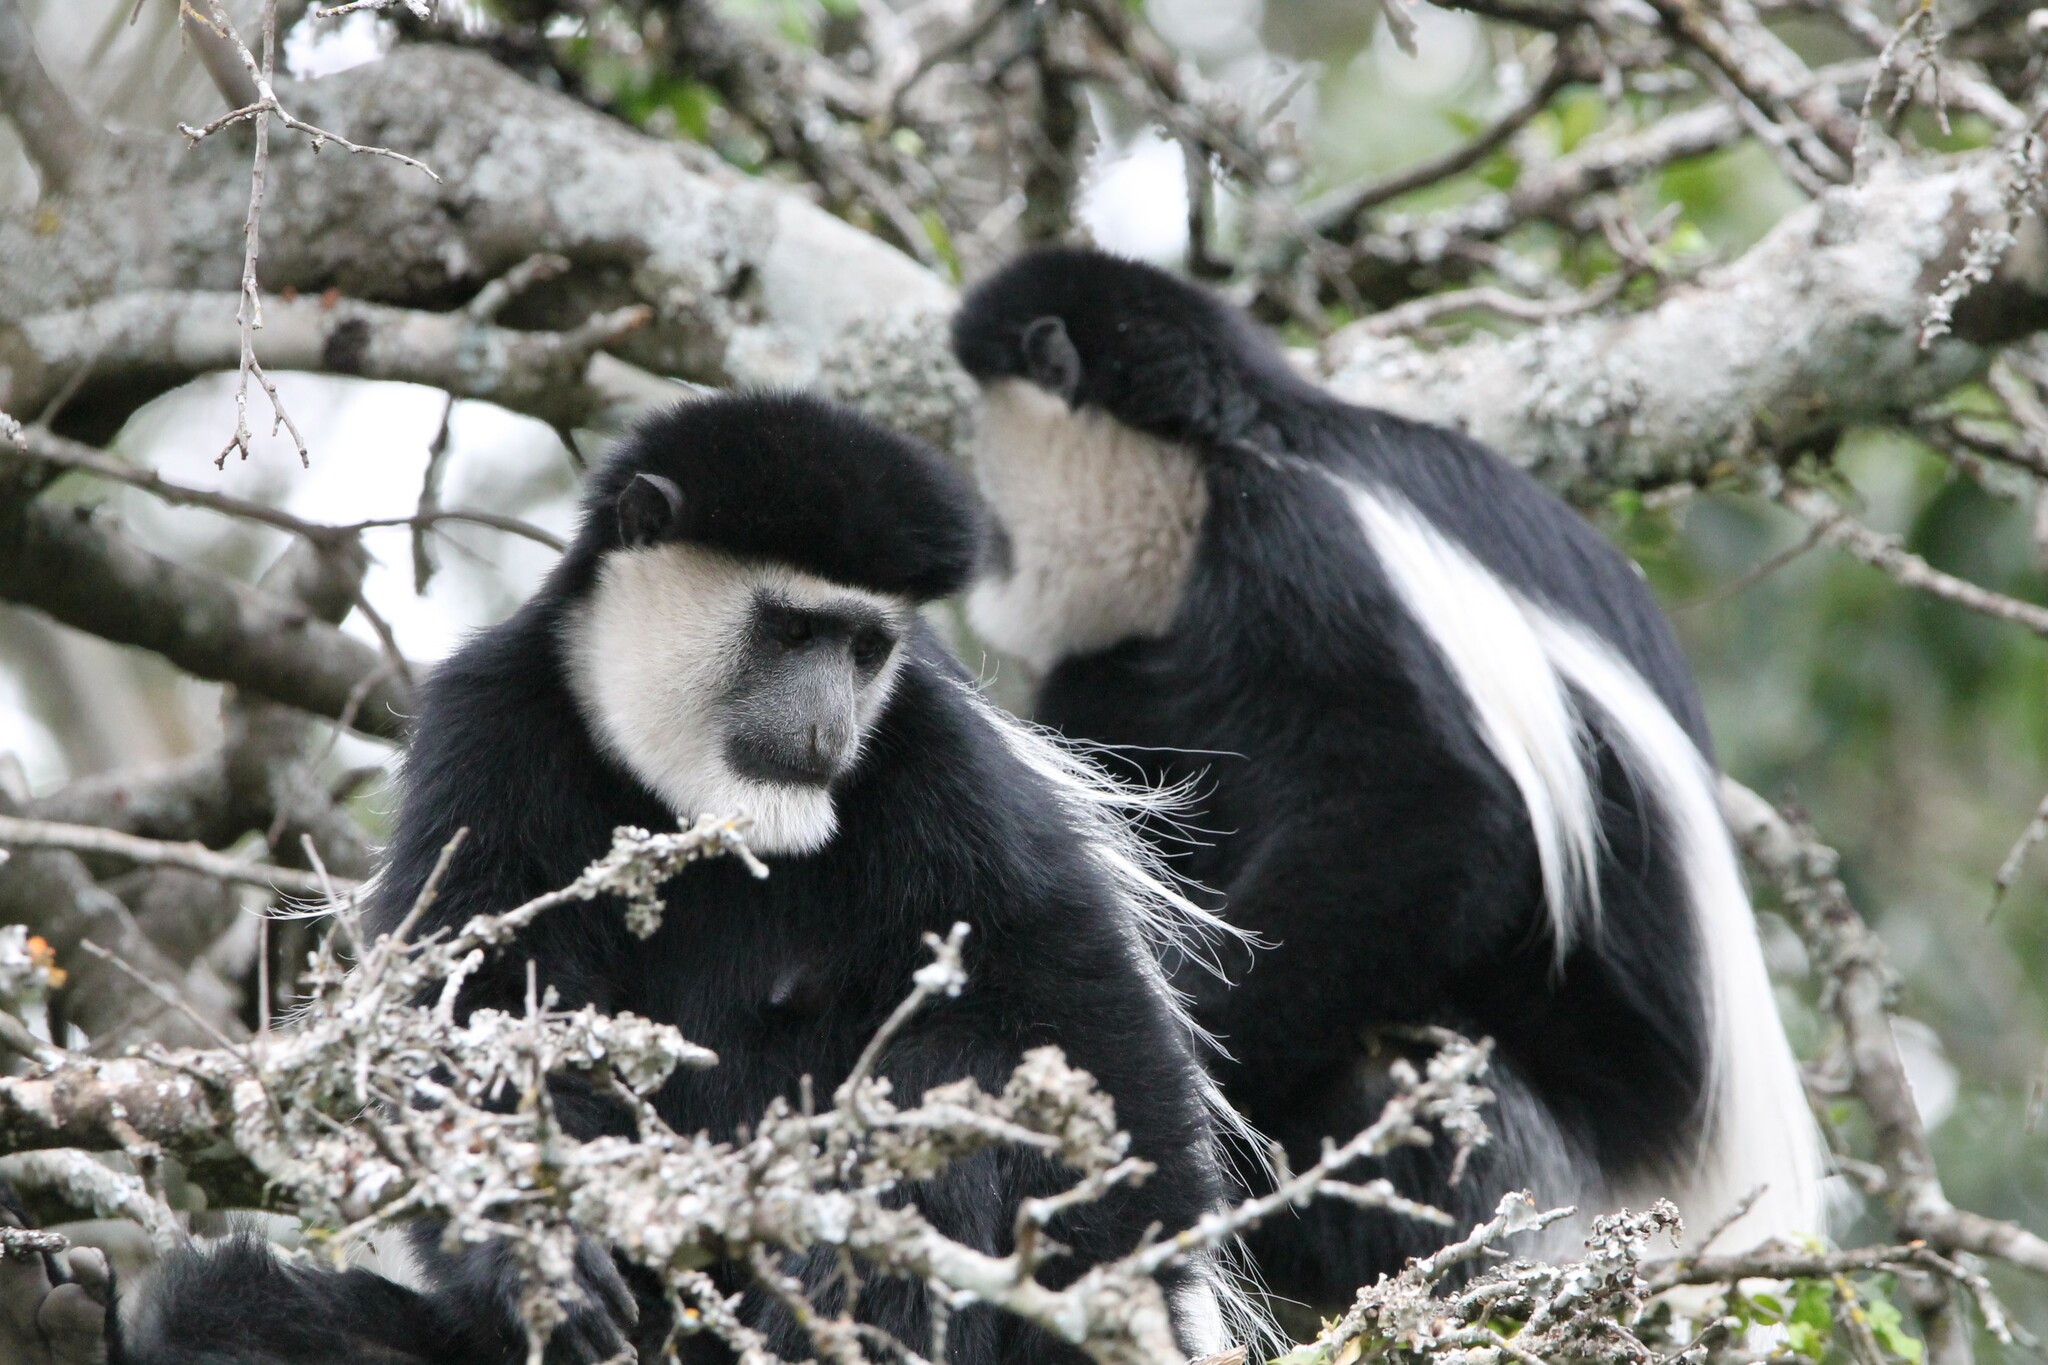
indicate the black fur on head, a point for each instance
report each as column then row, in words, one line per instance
column 1154, row 351
column 792, row 479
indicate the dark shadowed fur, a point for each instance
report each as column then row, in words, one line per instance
column 237, row 1304
column 1360, row 822
column 789, row 976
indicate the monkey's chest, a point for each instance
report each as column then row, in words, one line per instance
column 773, row 1023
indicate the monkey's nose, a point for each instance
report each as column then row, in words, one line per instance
column 829, row 742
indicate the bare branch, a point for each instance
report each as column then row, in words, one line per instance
column 55, row 133
column 198, row 858
column 1858, row 993
column 58, row 561
column 1333, row 213
column 56, row 450
column 2009, row 868
column 146, row 342
column 1809, row 332
column 1881, row 551
column 54, row 895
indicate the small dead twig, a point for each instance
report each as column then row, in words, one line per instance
column 249, row 311
column 1989, row 242
column 1884, row 552
column 190, row 857
column 2009, row 869
column 1335, row 213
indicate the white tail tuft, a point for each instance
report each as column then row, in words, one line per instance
column 1760, row 1132
column 1486, row 637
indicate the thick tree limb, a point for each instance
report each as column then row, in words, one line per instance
column 60, row 561
column 1811, row 331
column 748, row 282
column 79, row 1105
column 133, row 346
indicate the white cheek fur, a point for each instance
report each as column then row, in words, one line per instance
column 653, row 652
column 1102, row 522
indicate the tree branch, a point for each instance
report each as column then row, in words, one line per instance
column 191, row 857
column 55, row 450
column 1859, row 988
column 57, row 137
column 1811, row 331
column 135, row 345
column 1837, row 528
column 60, row 562
column 748, row 282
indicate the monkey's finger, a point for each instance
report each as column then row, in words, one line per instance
column 24, row 1282
column 598, row 1276
column 88, row 1268
column 74, row 1324
column 589, row 1338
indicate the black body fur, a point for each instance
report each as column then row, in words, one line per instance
column 1359, row 822
column 789, row 976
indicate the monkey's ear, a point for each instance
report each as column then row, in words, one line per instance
column 648, row 505
column 1050, row 356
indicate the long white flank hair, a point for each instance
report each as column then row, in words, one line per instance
column 1518, row 664
column 1107, row 814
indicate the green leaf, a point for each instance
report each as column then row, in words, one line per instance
column 1815, row 1306
column 1889, row 1327
column 1810, row 1342
column 942, row 242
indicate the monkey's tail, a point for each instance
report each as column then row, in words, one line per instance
column 1760, row 1136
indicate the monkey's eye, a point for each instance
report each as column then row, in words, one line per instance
column 794, row 629
column 870, row 648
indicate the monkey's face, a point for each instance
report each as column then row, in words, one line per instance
column 734, row 688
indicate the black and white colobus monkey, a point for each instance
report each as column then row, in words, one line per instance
column 735, row 629
column 1455, row 769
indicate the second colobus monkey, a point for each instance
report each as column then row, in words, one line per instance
column 735, row 629
column 1456, row 770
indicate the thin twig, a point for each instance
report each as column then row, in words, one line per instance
column 192, row 857
column 53, row 449
column 1881, row 551
column 2009, row 870
column 1331, row 213
column 1489, row 298
column 249, row 311
column 1756, row 573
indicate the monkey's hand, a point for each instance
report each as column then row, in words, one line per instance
column 54, row 1305
column 600, row 1327
column 478, row 1294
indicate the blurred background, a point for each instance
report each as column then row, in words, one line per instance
column 1915, row 733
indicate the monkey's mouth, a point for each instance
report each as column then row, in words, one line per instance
column 782, row 764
